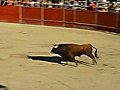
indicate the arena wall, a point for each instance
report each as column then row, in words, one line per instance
column 61, row 17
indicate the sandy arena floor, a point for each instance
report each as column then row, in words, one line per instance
column 18, row 72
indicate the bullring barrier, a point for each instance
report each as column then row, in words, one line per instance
column 61, row 17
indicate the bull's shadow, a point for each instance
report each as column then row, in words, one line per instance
column 55, row 59
column 52, row 59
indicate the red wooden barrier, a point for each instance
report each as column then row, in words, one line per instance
column 60, row 17
column 85, row 17
column 107, row 19
column 118, row 30
column 31, row 15
column 54, row 17
column 9, row 14
column 70, row 18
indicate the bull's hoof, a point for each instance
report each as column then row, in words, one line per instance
column 64, row 63
column 76, row 66
column 94, row 63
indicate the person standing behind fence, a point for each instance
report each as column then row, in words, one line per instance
column 3, row 2
column 55, row 1
column 93, row 6
column 111, row 7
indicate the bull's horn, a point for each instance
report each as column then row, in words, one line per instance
column 55, row 44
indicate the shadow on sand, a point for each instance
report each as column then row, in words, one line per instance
column 55, row 59
column 3, row 87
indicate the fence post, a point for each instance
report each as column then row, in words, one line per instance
column 42, row 14
column 96, row 20
column 117, row 23
column 20, row 14
column 64, row 17
column 74, row 18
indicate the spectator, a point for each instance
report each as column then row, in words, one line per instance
column 110, row 7
column 55, row 1
column 104, row 9
column 93, row 6
column 68, row 4
column 31, row 3
column 4, row 2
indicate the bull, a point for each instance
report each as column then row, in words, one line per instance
column 69, row 51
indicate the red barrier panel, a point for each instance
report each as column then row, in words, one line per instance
column 85, row 17
column 54, row 16
column 61, row 17
column 107, row 19
column 31, row 15
column 119, row 22
column 9, row 14
column 69, row 17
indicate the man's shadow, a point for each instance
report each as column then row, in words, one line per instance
column 55, row 59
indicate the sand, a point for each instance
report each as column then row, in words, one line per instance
column 43, row 72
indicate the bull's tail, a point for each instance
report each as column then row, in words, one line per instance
column 95, row 51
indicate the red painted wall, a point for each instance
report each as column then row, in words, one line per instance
column 9, row 14
column 83, row 16
column 107, row 19
column 69, row 17
column 119, row 21
column 118, row 24
column 53, row 16
column 60, row 17
column 31, row 15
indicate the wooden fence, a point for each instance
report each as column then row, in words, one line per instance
column 61, row 17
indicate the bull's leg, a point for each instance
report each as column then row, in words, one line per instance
column 76, row 62
column 65, row 63
column 66, row 60
column 71, row 59
column 93, row 58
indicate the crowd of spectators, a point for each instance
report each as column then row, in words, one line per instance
column 68, row 4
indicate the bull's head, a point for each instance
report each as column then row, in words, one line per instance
column 55, row 49
column 58, row 49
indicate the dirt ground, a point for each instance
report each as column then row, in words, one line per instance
column 43, row 72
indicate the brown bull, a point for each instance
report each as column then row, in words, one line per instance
column 69, row 51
